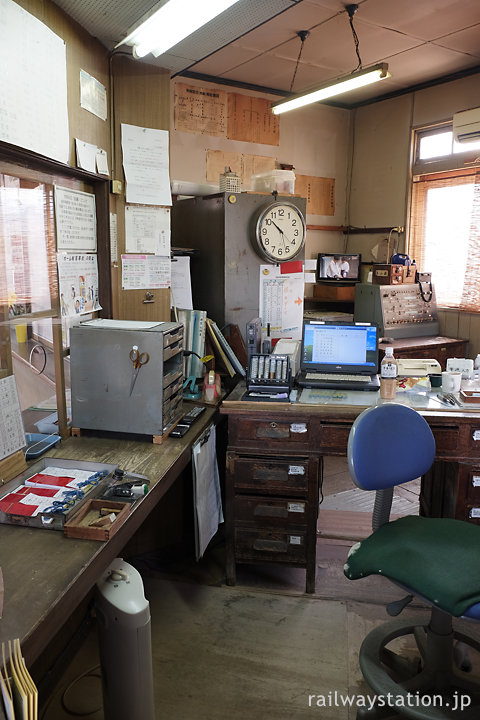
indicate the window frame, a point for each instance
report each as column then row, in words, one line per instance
column 29, row 165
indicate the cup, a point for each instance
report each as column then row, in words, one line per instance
column 451, row 381
column 435, row 380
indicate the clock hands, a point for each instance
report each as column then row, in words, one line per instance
column 280, row 231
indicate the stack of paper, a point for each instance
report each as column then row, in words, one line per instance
column 19, row 692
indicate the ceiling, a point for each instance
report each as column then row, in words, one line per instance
column 255, row 44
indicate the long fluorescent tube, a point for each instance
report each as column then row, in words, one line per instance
column 337, row 87
column 174, row 21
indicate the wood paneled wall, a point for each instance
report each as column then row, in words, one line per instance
column 141, row 96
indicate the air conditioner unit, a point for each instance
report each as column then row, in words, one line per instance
column 466, row 125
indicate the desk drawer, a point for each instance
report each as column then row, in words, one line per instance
column 270, row 545
column 288, row 513
column 283, row 435
column 272, row 476
column 447, row 439
column 335, row 436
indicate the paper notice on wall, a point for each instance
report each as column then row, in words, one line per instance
column 33, row 84
column 147, row 230
column 78, row 283
column 12, row 434
column 145, row 272
column 200, row 110
column 146, row 165
column 113, row 238
column 75, row 219
column 93, row 95
column 281, row 301
column 181, row 288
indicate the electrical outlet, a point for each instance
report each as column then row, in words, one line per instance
column 116, row 187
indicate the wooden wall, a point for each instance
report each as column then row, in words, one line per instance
column 138, row 94
column 140, row 97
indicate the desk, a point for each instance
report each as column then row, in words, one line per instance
column 265, row 438
column 437, row 347
column 47, row 575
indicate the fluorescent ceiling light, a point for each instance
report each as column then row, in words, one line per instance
column 337, row 87
column 172, row 22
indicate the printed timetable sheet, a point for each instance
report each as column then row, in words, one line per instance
column 12, row 434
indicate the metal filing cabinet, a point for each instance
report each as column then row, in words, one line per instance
column 101, row 375
column 225, row 272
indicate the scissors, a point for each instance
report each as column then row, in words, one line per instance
column 138, row 359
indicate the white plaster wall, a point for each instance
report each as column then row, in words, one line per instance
column 380, row 172
column 315, row 140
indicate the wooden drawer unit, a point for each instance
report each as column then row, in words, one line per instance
column 270, row 475
column 290, row 513
column 271, row 508
column 285, row 435
column 266, row 545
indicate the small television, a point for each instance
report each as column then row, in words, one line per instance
column 338, row 268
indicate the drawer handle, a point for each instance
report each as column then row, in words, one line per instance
column 270, row 511
column 270, row 545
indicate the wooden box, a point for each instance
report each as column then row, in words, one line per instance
column 387, row 274
column 79, row 525
column 332, row 293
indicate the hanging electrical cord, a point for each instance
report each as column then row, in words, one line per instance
column 302, row 34
column 351, row 10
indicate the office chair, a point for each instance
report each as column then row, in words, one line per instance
column 436, row 559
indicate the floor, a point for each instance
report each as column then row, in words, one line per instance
column 262, row 649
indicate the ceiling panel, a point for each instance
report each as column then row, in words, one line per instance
column 255, row 42
column 467, row 41
column 427, row 19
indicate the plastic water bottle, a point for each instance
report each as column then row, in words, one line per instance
column 388, row 375
column 476, row 362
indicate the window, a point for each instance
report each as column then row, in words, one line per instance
column 444, row 229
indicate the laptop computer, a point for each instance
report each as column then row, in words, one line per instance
column 339, row 355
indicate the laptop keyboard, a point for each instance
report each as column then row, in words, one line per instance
column 337, row 376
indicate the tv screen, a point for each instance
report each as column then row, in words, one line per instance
column 338, row 267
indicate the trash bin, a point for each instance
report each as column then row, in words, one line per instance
column 125, row 644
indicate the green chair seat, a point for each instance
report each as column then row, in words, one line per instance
column 436, row 558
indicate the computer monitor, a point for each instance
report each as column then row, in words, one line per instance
column 339, row 268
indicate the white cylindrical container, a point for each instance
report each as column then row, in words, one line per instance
column 125, row 644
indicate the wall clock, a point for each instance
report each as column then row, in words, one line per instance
column 279, row 232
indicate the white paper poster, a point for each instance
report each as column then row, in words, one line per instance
column 147, row 230
column 145, row 272
column 181, row 287
column 93, row 95
column 33, row 84
column 12, row 434
column 281, row 301
column 146, row 165
column 78, row 281
column 75, row 220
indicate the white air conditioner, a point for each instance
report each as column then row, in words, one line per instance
column 466, row 125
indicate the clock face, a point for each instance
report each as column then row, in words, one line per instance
column 279, row 232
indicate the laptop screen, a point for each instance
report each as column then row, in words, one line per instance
column 335, row 347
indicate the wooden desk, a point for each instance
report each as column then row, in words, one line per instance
column 436, row 347
column 47, row 575
column 274, row 463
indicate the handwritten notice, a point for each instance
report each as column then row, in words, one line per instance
column 146, row 165
column 75, row 219
column 200, row 110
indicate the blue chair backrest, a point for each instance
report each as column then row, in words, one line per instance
column 388, row 445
